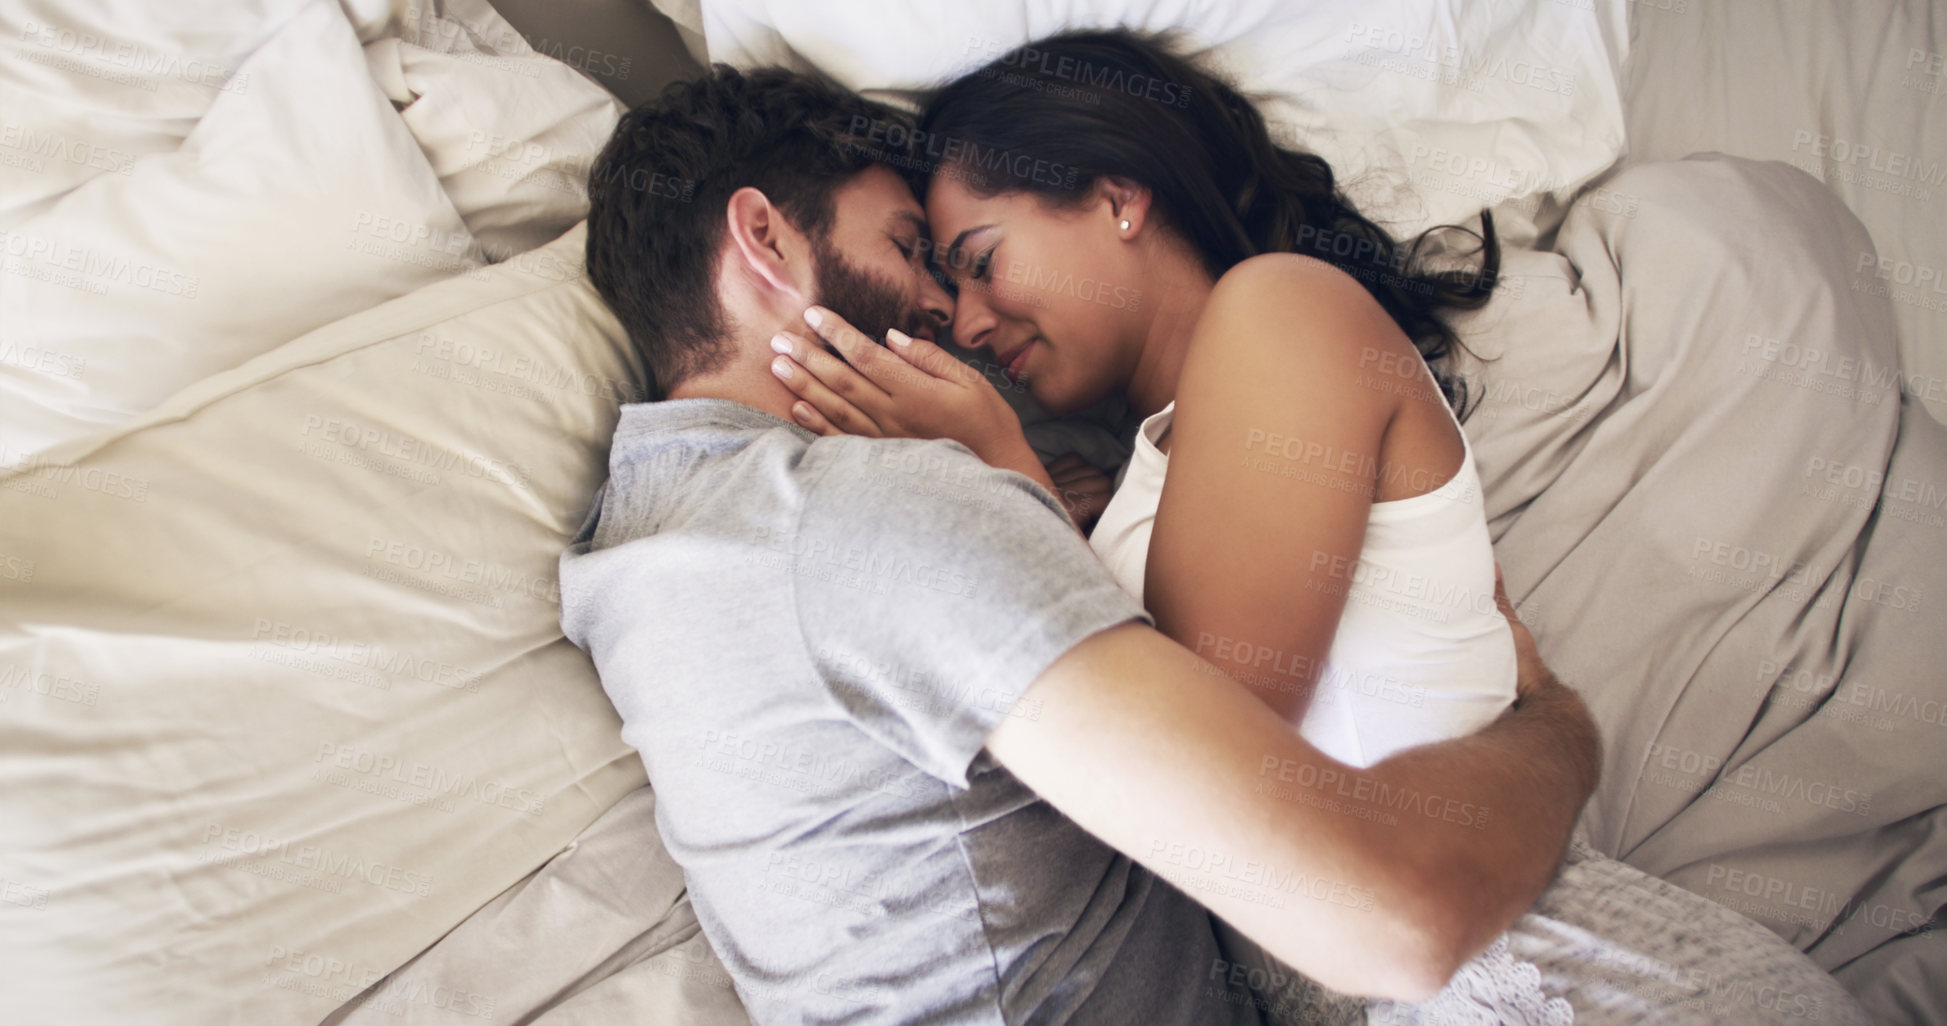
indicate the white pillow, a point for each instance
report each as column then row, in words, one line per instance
column 293, row 202
column 90, row 86
column 283, row 690
column 511, row 132
column 1429, row 111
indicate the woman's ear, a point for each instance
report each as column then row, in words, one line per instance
column 766, row 245
column 1128, row 203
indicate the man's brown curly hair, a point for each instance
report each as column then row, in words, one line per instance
column 657, row 195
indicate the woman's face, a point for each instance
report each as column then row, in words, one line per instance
column 1054, row 295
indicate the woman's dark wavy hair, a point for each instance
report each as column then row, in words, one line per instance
column 1082, row 105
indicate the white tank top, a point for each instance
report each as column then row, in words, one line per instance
column 1422, row 653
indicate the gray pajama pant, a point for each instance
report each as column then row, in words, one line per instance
column 1605, row 944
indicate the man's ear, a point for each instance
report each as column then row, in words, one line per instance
column 766, row 244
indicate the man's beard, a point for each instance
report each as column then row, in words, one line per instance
column 862, row 298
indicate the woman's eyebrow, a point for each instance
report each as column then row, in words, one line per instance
column 960, row 239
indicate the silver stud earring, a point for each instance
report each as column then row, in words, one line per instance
column 1125, row 224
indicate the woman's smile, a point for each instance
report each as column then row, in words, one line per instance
column 1017, row 367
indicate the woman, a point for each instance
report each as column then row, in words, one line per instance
column 1302, row 508
column 1320, row 536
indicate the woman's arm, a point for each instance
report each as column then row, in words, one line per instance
column 1272, row 464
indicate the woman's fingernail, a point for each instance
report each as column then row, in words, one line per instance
column 780, row 344
column 801, row 412
column 897, row 337
column 781, row 367
column 812, row 316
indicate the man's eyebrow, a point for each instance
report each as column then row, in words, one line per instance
column 917, row 222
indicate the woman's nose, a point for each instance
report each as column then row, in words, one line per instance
column 973, row 320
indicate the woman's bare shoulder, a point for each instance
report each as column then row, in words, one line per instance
column 1292, row 313
column 1271, row 277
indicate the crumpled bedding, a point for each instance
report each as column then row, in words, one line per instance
column 1726, row 522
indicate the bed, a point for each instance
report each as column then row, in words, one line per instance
column 305, row 389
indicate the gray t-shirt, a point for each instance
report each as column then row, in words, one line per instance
column 809, row 640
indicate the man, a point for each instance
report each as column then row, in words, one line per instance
column 920, row 758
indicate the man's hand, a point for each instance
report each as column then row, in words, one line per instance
column 1531, row 677
column 909, row 388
